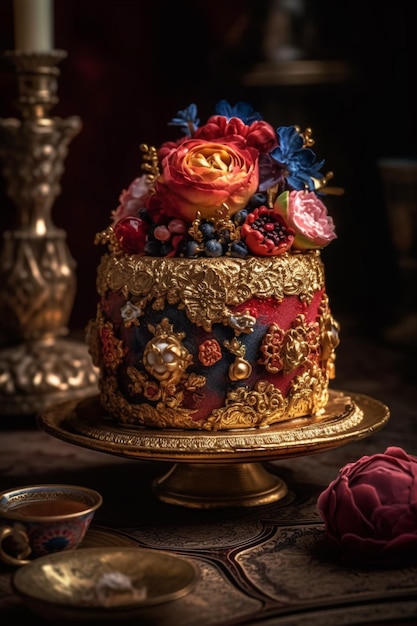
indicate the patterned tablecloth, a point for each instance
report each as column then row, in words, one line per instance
column 257, row 565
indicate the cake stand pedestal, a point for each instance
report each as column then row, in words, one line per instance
column 214, row 469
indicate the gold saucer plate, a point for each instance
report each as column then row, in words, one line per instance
column 100, row 584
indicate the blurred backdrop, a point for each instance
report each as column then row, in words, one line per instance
column 345, row 69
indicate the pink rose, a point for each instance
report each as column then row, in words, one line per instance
column 370, row 509
column 204, row 176
column 307, row 215
column 132, row 199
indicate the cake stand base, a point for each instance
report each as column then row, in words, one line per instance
column 214, row 469
column 196, row 485
column 37, row 374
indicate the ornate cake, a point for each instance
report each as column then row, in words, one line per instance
column 213, row 312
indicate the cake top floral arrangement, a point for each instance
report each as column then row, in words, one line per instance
column 233, row 186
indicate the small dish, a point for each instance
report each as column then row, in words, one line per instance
column 102, row 583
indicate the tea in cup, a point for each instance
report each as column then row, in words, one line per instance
column 37, row 520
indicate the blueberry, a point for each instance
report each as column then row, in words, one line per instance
column 238, row 249
column 258, row 199
column 224, row 236
column 213, row 248
column 207, row 230
column 240, row 217
column 166, row 248
column 152, row 248
column 191, row 249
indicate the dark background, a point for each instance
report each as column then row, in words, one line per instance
column 132, row 65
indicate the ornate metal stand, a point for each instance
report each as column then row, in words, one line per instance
column 38, row 366
column 220, row 468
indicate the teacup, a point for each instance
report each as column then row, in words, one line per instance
column 37, row 520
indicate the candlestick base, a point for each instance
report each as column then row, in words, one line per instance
column 37, row 374
column 38, row 367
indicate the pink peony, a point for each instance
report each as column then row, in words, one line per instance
column 307, row 215
column 132, row 199
column 370, row 509
column 204, row 176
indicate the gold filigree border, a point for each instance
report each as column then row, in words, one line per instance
column 205, row 288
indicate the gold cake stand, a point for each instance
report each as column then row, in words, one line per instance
column 214, row 469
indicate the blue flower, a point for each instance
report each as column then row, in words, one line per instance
column 299, row 162
column 187, row 120
column 243, row 110
column 270, row 173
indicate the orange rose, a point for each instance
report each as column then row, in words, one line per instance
column 203, row 176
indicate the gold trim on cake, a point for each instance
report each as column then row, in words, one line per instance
column 206, row 288
column 245, row 408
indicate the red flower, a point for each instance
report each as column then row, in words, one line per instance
column 259, row 134
column 209, row 352
column 266, row 233
column 370, row 509
column 271, row 349
column 151, row 391
column 165, row 148
column 161, row 204
column 111, row 347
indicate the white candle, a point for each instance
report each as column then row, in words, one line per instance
column 33, row 25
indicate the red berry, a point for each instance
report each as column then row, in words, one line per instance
column 131, row 234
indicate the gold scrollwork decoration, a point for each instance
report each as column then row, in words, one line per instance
column 244, row 408
column 206, row 289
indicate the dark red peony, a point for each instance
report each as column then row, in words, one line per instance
column 370, row 509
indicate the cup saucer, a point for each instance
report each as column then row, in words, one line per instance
column 103, row 583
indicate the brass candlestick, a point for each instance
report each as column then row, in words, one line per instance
column 38, row 366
